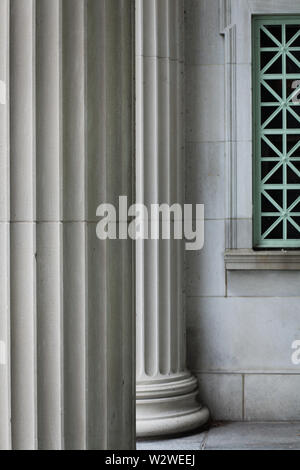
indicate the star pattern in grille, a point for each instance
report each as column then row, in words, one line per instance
column 277, row 126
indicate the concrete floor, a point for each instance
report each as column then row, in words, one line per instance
column 234, row 436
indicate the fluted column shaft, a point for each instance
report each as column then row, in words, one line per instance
column 166, row 391
column 67, row 373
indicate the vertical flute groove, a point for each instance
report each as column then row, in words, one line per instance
column 74, row 221
column 5, row 408
column 164, row 182
column 23, row 227
column 49, row 236
column 97, row 252
column 140, row 294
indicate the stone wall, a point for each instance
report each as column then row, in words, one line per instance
column 241, row 324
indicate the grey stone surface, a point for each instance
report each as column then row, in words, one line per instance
column 205, row 103
column 202, row 22
column 223, row 395
column 254, row 436
column 244, row 181
column 235, row 436
column 205, row 274
column 204, row 177
column 242, row 334
column 241, row 17
column 263, row 283
column 244, row 233
column 192, row 442
column 272, row 397
column 244, row 102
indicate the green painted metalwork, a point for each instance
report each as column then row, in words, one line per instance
column 276, row 131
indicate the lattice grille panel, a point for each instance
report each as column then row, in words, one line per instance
column 276, row 86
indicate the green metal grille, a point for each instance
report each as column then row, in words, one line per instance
column 276, row 123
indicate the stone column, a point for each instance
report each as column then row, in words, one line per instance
column 67, row 375
column 166, row 391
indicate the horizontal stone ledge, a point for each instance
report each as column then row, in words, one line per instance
column 247, row 259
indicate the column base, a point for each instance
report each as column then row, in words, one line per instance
column 169, row 407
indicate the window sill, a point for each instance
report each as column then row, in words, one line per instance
column 247, row 259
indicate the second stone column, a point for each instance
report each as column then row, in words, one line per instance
column 167, row 401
